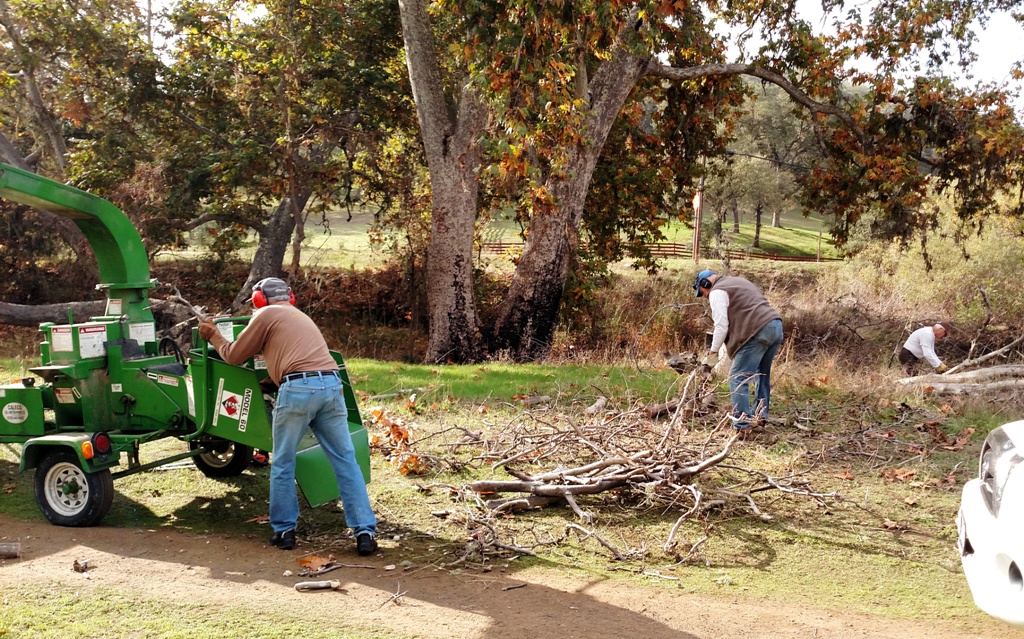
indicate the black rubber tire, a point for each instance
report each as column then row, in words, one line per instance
column 222, row 459
column 69, row 496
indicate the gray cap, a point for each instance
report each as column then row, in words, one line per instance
column 274, row 289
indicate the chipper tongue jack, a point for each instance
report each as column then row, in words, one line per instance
column 110, row 385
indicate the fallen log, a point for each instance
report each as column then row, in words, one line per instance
column 981, row 375
column 972, row 389
column 547, row 490
column 986, row 357
column 34, row 315
column 516, row 504
column 167, row 312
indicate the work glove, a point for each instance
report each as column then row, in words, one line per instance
column 207, row 330
column 941, row 368
column 710, row 360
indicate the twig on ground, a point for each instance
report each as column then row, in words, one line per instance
column 331, row 567
column 397, row 598
column 589, row 533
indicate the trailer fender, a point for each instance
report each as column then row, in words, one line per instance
column 37, row 448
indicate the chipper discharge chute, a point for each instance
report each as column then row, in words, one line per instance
column 109, row 385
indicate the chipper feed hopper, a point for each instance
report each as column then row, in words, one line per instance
column 108, row 385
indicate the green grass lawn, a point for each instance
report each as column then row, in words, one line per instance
column 799, row 236
column 342, row 243
column 508, row 383
column 345, row 242
column 866, row 542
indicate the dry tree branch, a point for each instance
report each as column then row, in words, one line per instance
column 984, row 325
column 671, row 541
column 198, row 313
column 580, row 530
column 974, row 362
column 585, row 516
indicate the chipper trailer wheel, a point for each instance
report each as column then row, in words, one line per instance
column 69, row 496
column 222, row 458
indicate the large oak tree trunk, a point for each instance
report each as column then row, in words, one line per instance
column 528, row 316
column 275, row 236
column 450, row 140
column 454, row 329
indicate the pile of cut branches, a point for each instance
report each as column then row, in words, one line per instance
column 559, row 458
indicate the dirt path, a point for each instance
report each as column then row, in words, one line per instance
column 169, row 565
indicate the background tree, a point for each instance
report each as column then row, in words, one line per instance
column 778, row 143
column 557, row 75
column 65, row 76
column 452, row 117
column 281, row 99
column 264, row 115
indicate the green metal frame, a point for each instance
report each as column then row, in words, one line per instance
column 120, row 253
column 34, row 448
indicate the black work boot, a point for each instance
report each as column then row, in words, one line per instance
column 284, row 540
column 366, row 544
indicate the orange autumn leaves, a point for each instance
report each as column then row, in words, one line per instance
column 393, row 441
column 939, row 441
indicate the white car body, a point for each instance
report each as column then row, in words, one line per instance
column 991, row 526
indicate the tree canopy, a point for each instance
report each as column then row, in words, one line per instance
column 556, row 76
column 593, row 121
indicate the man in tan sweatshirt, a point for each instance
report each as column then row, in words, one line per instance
column 310, row 394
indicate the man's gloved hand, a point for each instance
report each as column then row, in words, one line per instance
column 207, row 330
column 710, row 360
column 941, row 368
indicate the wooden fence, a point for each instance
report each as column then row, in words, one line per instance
column 671, row 250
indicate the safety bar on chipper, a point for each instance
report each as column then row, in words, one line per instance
column 201, row 407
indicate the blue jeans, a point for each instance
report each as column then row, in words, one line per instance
column 316, row 402
column 753, row 364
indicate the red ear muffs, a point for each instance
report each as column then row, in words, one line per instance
column 259, row 299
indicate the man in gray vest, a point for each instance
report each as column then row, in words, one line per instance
column 752, row 333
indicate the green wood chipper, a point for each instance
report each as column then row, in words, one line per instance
column 108, row 385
